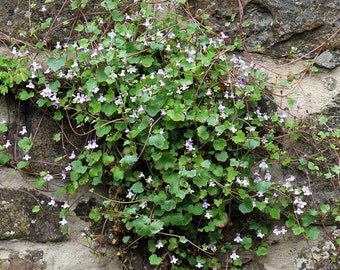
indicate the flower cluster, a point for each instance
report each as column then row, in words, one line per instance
column 173, row 126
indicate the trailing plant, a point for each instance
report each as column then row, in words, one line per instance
column 177, row 132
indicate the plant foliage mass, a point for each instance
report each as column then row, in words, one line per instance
column 175, row 129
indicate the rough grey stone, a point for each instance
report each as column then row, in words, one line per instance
column 41, row 128
column 19, row 222
column 328, row 59
column 277, row 25
column 29, row 259
column 20, row 15
column 330, row 83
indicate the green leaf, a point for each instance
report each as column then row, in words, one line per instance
column 118, row 174
column 261, row 251
column 57, row 137
column 232, row 173
column 324, row 208
column 166, row 161
column 251, row 144
column 102, row 130
column 217, row 170
column 3, row 127
column 160, row 198
column 79, row 28
column 101, row 76
column 129, row 160
column 196, row 209
column 291, row 103
column 78, row 167
column 4, row 158
column 25, row 144
column 137, row 187
column 213, row 119
column 247, row 242
column 147, row 61
column 297, row 230
column 240, row 137
column 109, row 4
column 145, row 228
column 323, row 120
column 107, row 159
column 95, row 156
column 169, row 205
column 24, row 95
column 95, row 214
column 173, row 243
column 336, row 169
column 206, row 164
column 157, row 140
column 117, row 16
column 109, row 109
column 176, row 115
column 56, row 63
column 219, row 144
column 246, row 206
column 183, row 239
column 307, row 219
column 222, row 156
column 275, row 212
column 176, row 219
column 203, row 133
column 36, row 209
column 155, row 260
column 22, row 164
column 58, row 115
column 202, row 116
column 40, row 182
column 46, row 24
column 126, row 239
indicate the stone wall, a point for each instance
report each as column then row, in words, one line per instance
column 33, row 241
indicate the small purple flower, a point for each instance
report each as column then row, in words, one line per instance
column 234, row 256
column 48, row 177
column 73, row 155
column 276, row 231
column 52, row 202
column 283, row 230
column 159, row 244
column 68, row 167
column 208, row 215
column 205, row 204
column 26, row 157
column 306, row 191
column 173, row 260
column 298, row 211
column 268, row 176
column 65, row 205
column 199, row 265
column 299, row 203
column 91, row 145
column 211, row 183
column 7, row 144
column 130, row 194
column 238, row 238
column 263, row 165
column 63, row 222
column 23, row 130
column 189, row 145
column 260, row 234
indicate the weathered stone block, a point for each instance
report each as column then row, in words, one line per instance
column 19, row 222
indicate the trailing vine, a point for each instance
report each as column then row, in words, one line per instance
column 176, row 130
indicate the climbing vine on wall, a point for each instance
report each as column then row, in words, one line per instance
column 177, row 132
